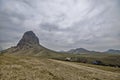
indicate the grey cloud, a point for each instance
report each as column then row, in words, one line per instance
column 62, row 24
column 49, row 27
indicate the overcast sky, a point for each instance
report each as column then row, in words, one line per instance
column 62, row 24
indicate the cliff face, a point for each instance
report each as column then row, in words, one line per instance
column 29, row 39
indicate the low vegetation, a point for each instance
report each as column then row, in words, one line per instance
column 112, row 60
column 39, row 68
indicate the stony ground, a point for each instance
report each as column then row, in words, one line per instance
column 32, row 68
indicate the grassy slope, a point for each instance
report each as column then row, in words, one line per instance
column 40, row 51
column 38, row 68
column 106, row 59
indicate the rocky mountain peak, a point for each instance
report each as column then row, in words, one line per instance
column 29, row 39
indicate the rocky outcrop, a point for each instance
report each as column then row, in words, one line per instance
column 29, row 39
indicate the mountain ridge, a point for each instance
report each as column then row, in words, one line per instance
column 81, row 51
column 85, row 51
column 113, row 51
column 29, row 45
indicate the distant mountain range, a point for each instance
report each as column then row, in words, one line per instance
column 113, row 51
column 78, row 50
column 85, row 51
column 29, row 45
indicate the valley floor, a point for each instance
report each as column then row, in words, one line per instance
column 34, row 68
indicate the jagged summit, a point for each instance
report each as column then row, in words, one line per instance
column 29, row 39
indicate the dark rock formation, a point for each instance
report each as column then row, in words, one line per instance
column 29, row 39
column 29, row 45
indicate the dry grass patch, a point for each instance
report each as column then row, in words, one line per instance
column 33, row 68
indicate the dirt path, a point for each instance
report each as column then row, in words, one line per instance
column 89, row 69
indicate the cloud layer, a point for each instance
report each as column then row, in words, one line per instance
column 62, row 24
